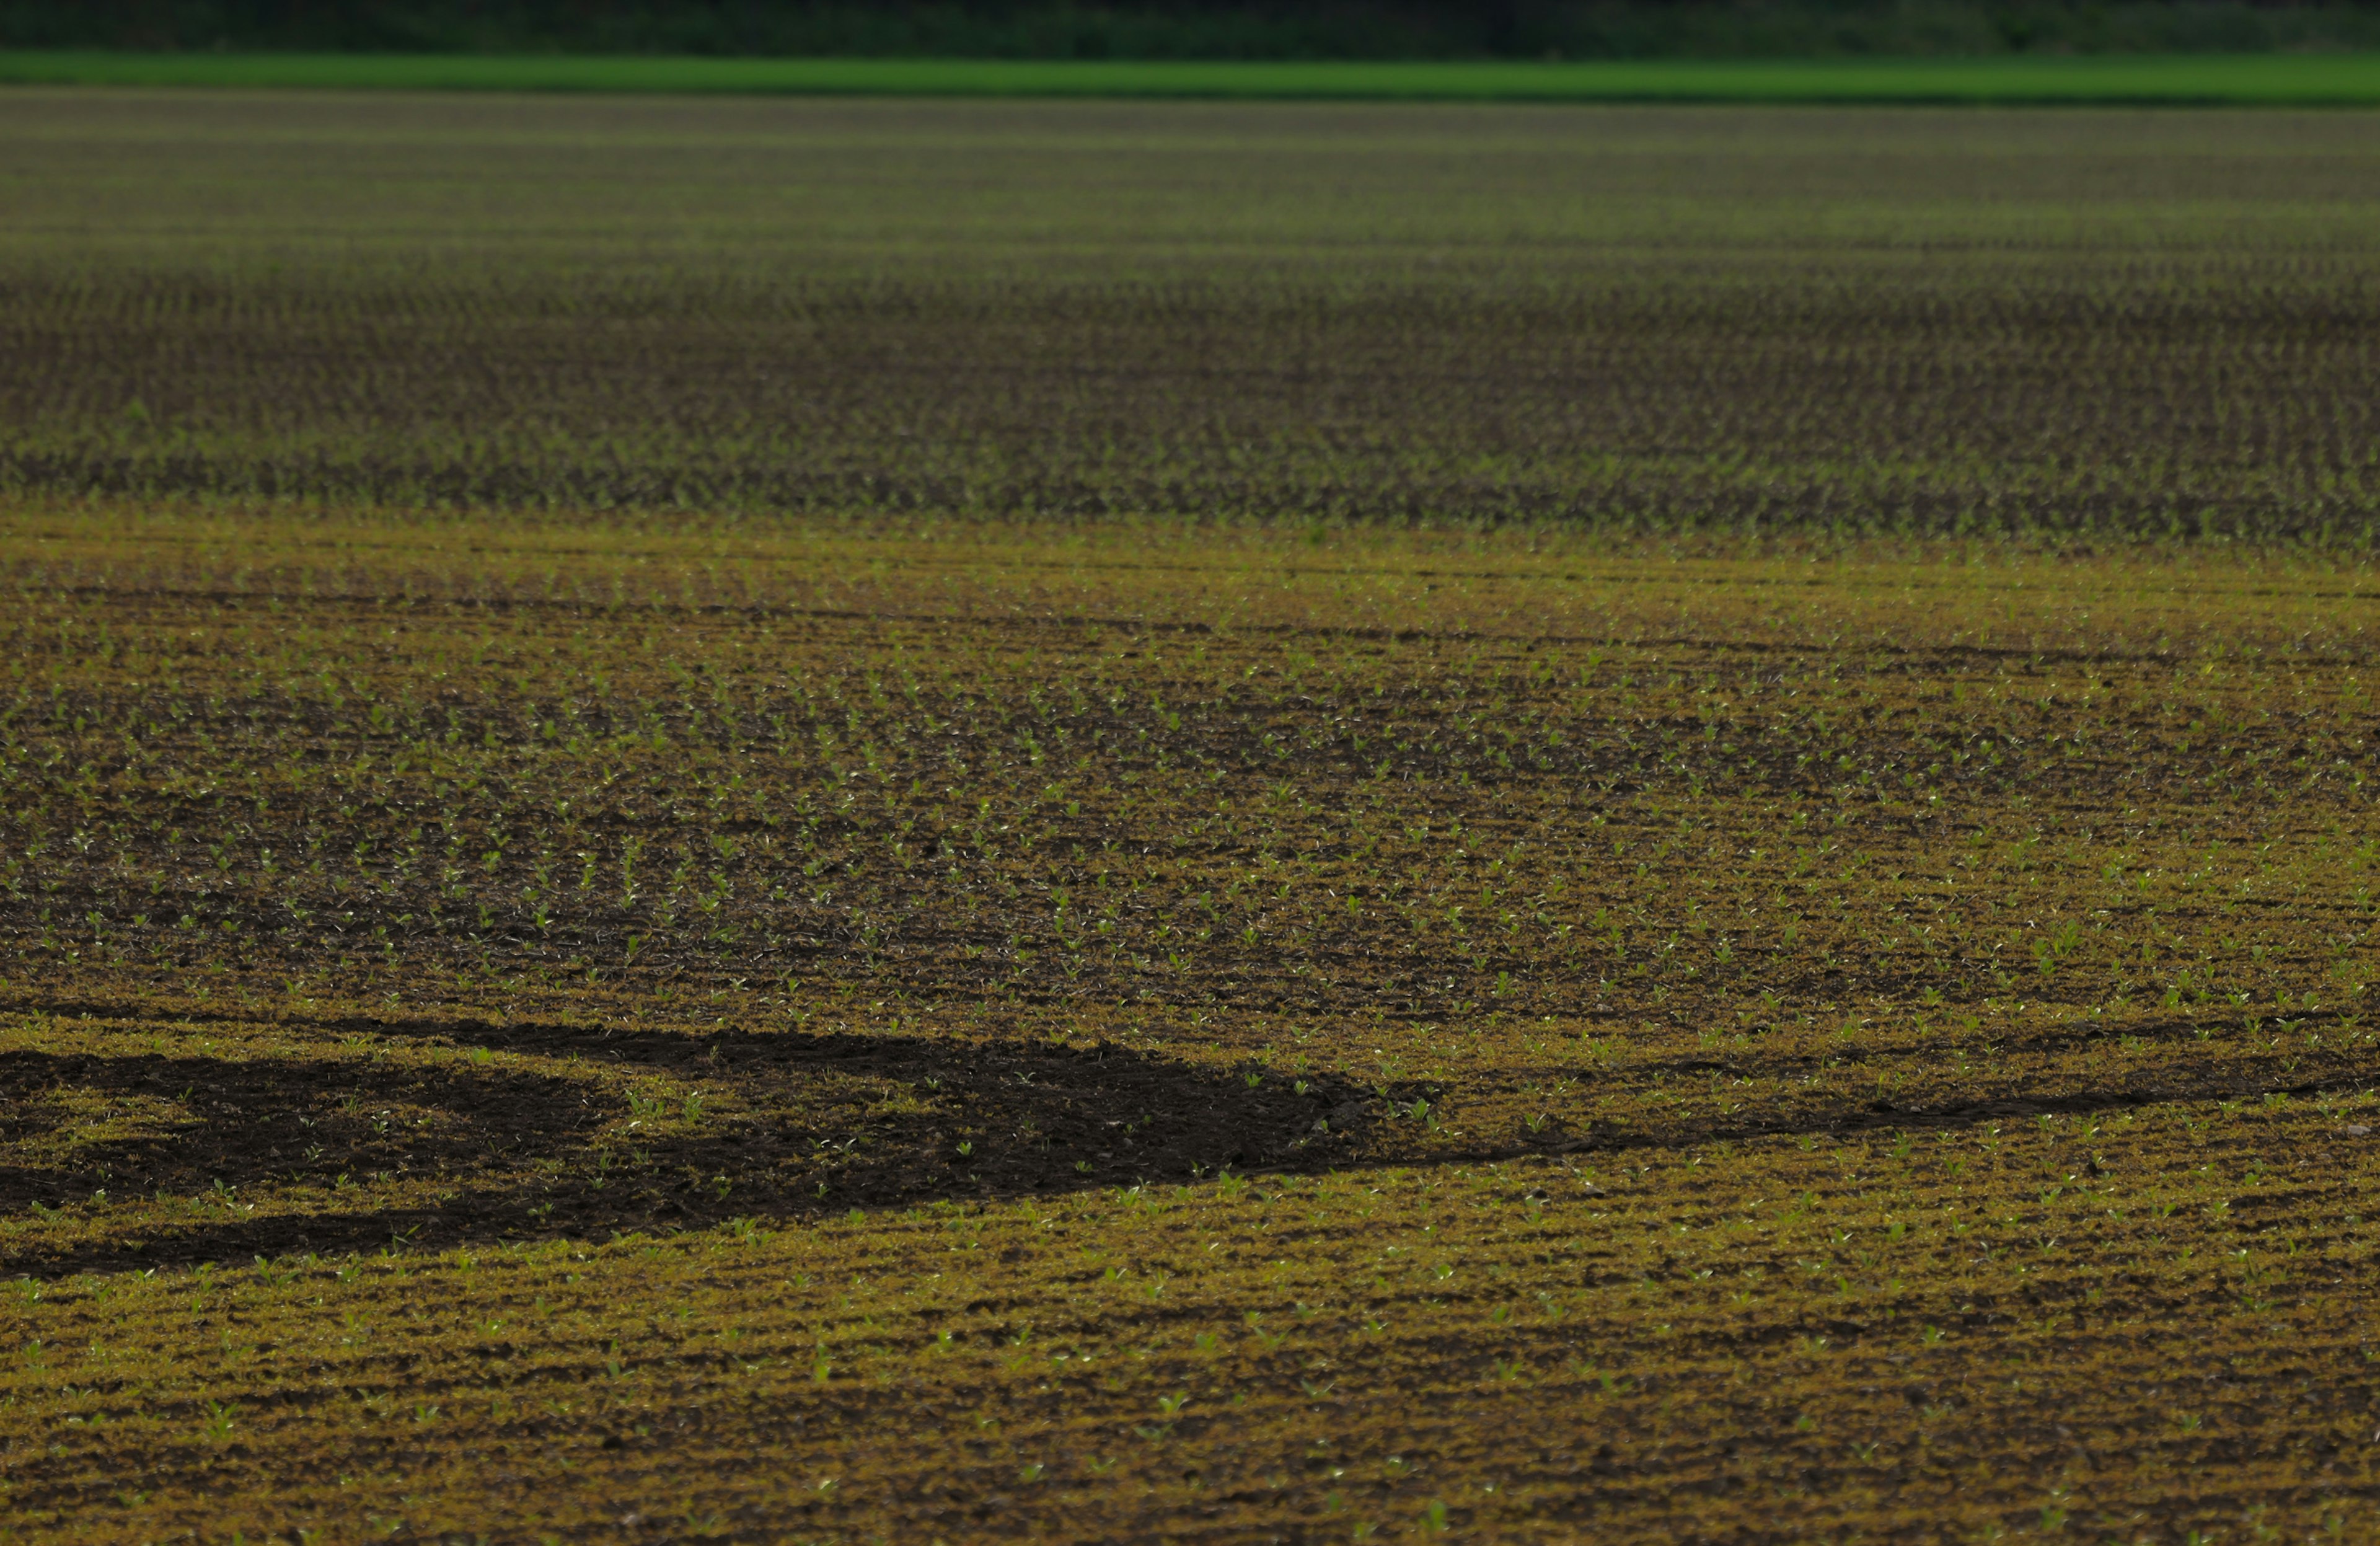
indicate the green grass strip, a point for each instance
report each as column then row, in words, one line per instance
column 2267, row 79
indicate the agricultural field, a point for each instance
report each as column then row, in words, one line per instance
column 855, row 821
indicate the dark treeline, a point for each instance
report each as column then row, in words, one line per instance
column 1205, row 28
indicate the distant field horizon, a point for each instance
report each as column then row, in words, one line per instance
column 2304, row 81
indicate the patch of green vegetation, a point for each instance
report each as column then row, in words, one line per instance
column 2311, row 79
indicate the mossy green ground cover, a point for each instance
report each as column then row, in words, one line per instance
column 867, row 821
column 2289, row 80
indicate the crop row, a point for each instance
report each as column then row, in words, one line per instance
column 1443, row 894
column 1640, row 320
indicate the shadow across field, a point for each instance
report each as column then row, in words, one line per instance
column 451, row 1133
column 155, row 1160
column 78, row 1124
